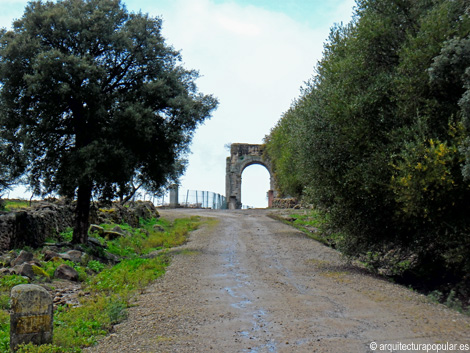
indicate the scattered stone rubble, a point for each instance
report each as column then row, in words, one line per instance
column 129, row 214
column 26, row 265
column 67, row 289
column 31, row 227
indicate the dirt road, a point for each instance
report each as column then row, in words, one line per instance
column 252, row 284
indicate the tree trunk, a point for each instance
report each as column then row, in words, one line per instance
column 82, row 214
column 132, row 193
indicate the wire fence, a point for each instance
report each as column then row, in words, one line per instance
column 194, row 199
column 202, row 199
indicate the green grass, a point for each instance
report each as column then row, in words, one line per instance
column 7, row 282
column 11, row 205
column 111, row 288
column 149, row 237
column 314, row 224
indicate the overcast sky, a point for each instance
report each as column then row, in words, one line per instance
column 253, row 55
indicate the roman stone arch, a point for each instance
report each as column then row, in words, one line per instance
column 243, row 155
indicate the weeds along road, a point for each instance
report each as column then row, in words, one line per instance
column 248, row 283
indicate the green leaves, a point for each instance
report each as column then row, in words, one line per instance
column 95, row 97
column 71, row 70
column 425, row 179
column 380, row 139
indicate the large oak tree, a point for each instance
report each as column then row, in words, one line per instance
column 95, row 99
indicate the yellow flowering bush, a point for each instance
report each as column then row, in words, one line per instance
column 426, row 176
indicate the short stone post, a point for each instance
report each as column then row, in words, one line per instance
column 174, row 196
column 31, row 317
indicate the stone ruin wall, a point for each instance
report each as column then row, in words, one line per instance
column 285, row 203
column 32, row 226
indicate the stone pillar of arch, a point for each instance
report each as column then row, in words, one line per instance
column 243, row 155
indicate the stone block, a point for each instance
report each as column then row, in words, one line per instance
column 31, row 316
column 25, row 270
column 66, row 272
column 23, row 257
column 49, row 254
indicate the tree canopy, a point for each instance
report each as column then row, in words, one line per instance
column 96, row 99
column 380, row 140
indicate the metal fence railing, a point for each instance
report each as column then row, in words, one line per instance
column 193, row 199
column 202, row 199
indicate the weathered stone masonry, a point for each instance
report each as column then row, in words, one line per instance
column 32, row 226
column 243, row 155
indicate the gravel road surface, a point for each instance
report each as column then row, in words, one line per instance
column 248, row 283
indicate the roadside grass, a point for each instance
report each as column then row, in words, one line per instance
column 110, row 289
column 152, row 235
column 337, row 276
column 314, row 224
column 10, row 205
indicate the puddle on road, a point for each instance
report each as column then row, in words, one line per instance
column 241, row 305
column 230, row 292
column 219, row 275
column 259, row 333
column 255, row 334
column 259, row 327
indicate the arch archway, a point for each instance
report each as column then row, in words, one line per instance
column 243, row 155
column 255, row 185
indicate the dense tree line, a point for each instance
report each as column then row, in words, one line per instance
column 93, row 102
column 380, row 138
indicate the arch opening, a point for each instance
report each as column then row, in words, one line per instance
column 255, row 186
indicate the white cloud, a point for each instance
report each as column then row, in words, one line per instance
column 238, row 27
column 254, row 61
